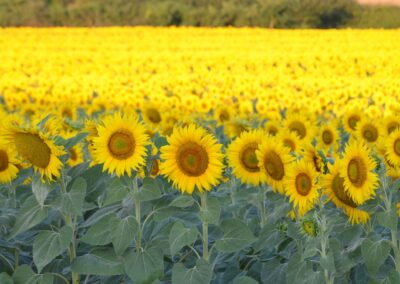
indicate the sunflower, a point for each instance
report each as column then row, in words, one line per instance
column 121, row 144
column 234, row 128
column 272, row 127
column 290, row 139
column 311, row 156
column 368, row 131
column 192, row 159
column 301, row 186
column 333, row 185
column 301, row 125
column 390, row 123
column 242, row 157
column 37, row 148
column 359, row 180
column 392, row 148
column 223, row 114
column 273, row 159
column 328, row 137
column 8, row 162
column 351, row 119
column 152, row 115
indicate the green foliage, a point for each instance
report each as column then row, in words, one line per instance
column 264, row 13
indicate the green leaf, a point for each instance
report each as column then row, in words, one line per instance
column 296, row 269
column 244, row 280
column 200, row 274
column 375, row 253
column 24, row 275
column 148, row 191
column 237, row 236
column 100, row 233
column 211, row 214
column 40, row 189
column 71, row 202
column 388, row 219
column 49, row 244
column 328, row 263
column 6, row 279
column 103, row 262
column 30, row 214
column 144, row 266
column 123, row 234
column 273, row 272
column 116, row 191
column 182, row 201
column 180, row 237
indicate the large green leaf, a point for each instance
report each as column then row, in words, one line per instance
column 388, row 219
column 148, row 191
column 102, row 262
column 144, row 266
column 49, row 244
column 123, row 234
column 199, row 274
column 101, row 232
column 273, row 271
column 237, row 236
column 244, row 280
column 71, row 202
column 24, row 275
column 375, row 253
column 6, row 279
column 30, row 214
column 181, row 236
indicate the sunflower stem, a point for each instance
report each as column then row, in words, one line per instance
column 203, row 197
column 137, row 215
column 262, row 207
column 72, row 223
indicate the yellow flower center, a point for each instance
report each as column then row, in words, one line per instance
column 370, row 133
column 192, row 159
column 299, row 128
column 396, row 146
column 32, row 148
column 153, row 115
column 303, row 184
column 3, row 160
column 274, row 166
column 248, row 158
column 340, row 193
column 352, row 121
column 357, row 171
column 327, row 137
column 121, row 145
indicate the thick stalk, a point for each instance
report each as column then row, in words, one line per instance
column 138, row 216
column 262, row 207
column 70, row 222
column 205, row 226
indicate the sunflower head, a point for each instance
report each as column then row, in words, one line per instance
column 359, row 180
column 309, row 227
column 243, row 159
column 192, row 159
column 392, row 148
column 121, row 144
column 8, row 163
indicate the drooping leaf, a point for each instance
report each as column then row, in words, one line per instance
column 182, row 201
column 123, row 233
column 144, row 266
column 101, row 262
column 50, row 244
column 212, row 212
column 181, row 236
column 375, row 253
column 6, row 279
column 149, row 190
column 72, row 202
column 244, row 280
column 40, row 189
column 199, row 274
column 30, row 214
column 101, row 232
column 237, row 236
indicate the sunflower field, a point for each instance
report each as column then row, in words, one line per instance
column 199, row 155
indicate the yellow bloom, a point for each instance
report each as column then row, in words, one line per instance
column 121, row 144
column 8, row 161
column 192, row 159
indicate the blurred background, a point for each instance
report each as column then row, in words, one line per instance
column 261, row 13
